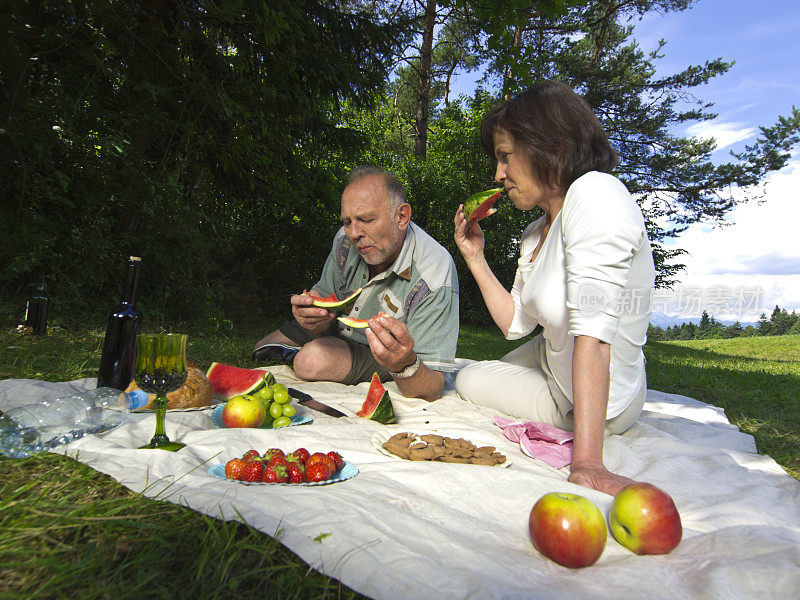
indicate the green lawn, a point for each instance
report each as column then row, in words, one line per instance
column 755, row 379
column 68, row 531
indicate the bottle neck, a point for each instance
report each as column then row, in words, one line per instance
column 131, row 281
column 40, row 285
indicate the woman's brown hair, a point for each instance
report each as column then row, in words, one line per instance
column 558, row 131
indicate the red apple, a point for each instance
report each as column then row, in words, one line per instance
column 243, row 411
column 644, row 519
column 568, row 529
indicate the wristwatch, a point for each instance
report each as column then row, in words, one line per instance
column 409, row 371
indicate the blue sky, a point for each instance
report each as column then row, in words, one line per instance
column 758, row 253
column 752, row 264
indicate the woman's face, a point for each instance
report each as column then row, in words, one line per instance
column 515, row 172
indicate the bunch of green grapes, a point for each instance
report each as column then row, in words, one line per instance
column 275, row 399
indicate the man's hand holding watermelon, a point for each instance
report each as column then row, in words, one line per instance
column 312, row 318
column 397, row 289
column 393, row 347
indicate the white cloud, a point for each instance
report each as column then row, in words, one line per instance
column 726, row 134
column 757, row 250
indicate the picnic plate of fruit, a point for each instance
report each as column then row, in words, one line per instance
column 297, row 419
column 348, row 471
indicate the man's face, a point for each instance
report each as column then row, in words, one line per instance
column 372, row 228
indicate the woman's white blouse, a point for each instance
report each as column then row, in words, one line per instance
column 593, row 276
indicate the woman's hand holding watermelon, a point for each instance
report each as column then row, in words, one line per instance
column 311, row 318
column 469, row 237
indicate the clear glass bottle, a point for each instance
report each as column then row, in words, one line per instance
column 28, row 429
column 124, row 323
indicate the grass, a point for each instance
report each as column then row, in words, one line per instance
column 69, row 531
column 755, row 379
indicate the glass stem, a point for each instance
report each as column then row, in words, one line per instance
column 160, row 404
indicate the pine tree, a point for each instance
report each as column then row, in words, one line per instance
column 764, row 326
column 705, row 324
column 781, row 321
column 794, row 329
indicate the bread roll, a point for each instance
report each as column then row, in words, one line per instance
column 194, row 393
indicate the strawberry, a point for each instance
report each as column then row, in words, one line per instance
column 338, row 461
column 277, row 459
column 275, row 473
column 321, row 457
column 272, row 452
column 296, row 472
column 300, row 455
column 251, row 455
column 318, row 471
column 234, row 468
column 315, row 458
column 252, row 471
column 269, row 475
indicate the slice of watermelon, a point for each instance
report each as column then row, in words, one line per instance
column 481, row 205
column 378, row 406
column 228, row 381
column 355, row 323
column 332, row 301
column 359, row 323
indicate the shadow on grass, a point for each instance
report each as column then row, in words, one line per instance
column 676, row 349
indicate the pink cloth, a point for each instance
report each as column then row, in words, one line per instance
column 539, row 440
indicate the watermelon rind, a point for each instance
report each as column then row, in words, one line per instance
column 355, row 323
column 359, row 323
column 269, row 380
column 228, row 381
column 328, row 303
column 378, row 406
column 481, row 205
column 384, row 412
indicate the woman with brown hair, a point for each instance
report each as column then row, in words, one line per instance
column 585, row 275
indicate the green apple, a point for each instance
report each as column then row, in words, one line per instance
column 644, row 519
column 243, row 411
column 567, row 529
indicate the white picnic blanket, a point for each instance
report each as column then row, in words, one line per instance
column 405, row 530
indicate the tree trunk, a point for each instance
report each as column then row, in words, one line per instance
column 507, row 71
column 424, row 82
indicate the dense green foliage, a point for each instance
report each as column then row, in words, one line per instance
column 780, row 322
column 214, row 139
column 589, row 44
column 201, row 136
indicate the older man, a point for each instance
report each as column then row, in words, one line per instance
column 404, row 273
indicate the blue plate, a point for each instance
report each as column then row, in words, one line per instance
column 348, row 471
column 216, row 419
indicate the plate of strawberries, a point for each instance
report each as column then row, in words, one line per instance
column 299, row 467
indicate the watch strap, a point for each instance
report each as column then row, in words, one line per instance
column 409, row 371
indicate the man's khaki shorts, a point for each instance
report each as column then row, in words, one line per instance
column 362, row 361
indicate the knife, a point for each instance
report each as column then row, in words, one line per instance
column 308, row 401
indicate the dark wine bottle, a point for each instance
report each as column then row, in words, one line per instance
column 36, row 312
column 124, row 322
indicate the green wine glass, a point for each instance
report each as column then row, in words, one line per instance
column 160, row 369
